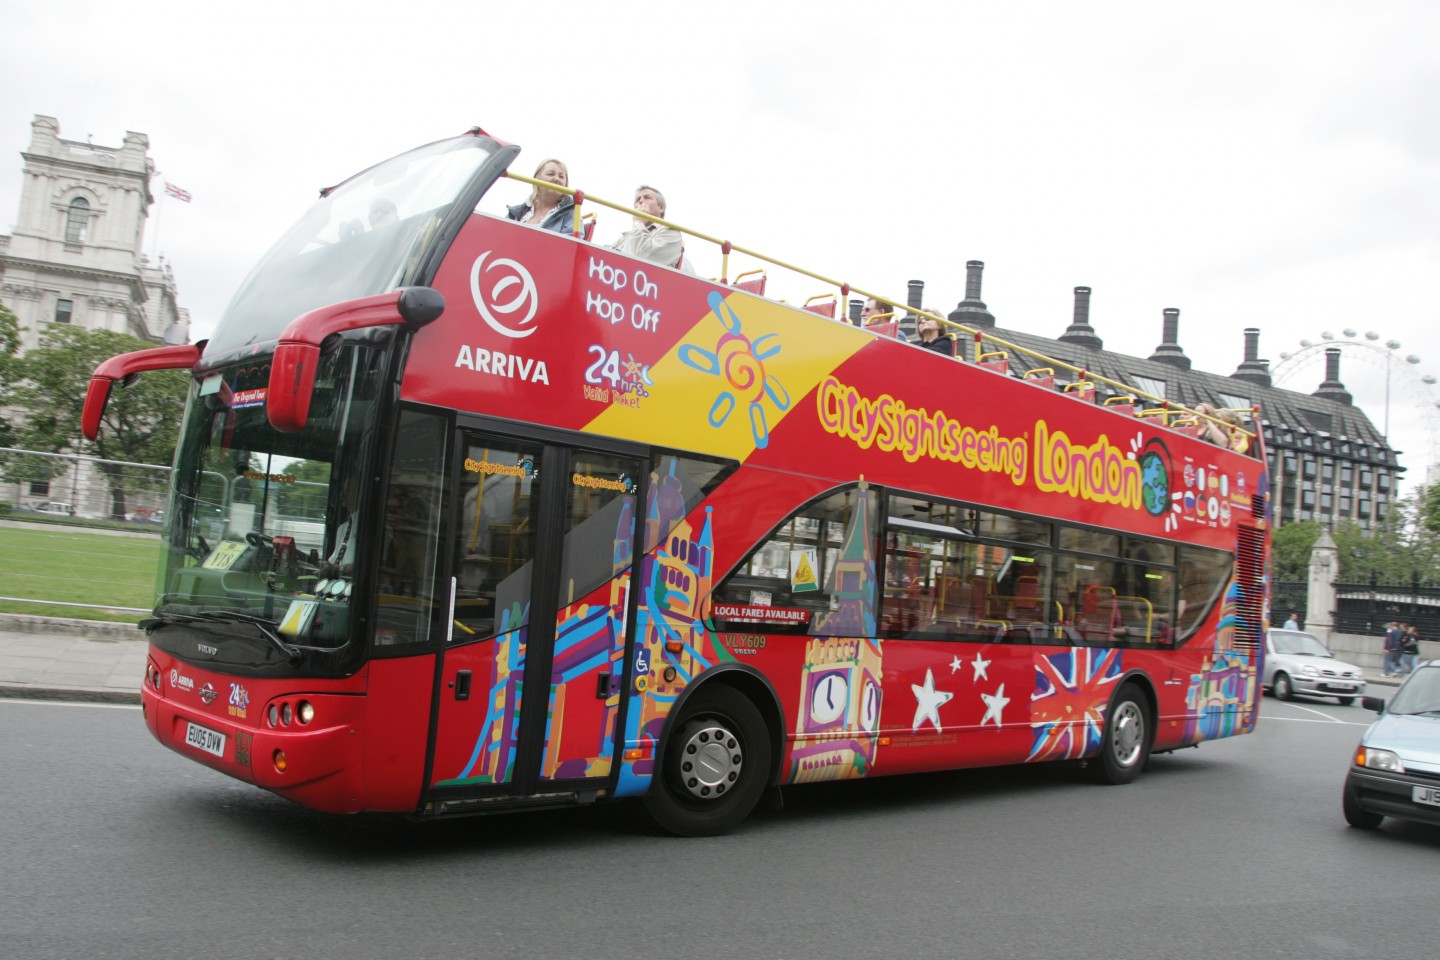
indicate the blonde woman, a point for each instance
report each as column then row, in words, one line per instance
column 548, row 209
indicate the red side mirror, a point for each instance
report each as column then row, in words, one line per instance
column 292, row 372
column 124, row 367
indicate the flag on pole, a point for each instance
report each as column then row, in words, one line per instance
column 173, row 191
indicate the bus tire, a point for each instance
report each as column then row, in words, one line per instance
column 713, row 765
column 1125, row 744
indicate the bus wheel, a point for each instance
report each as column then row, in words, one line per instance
column 1125, row 744
column 713, row 766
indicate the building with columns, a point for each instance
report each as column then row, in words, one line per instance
column 74, row 255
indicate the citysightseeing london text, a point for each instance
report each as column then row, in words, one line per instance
column 1100, row 472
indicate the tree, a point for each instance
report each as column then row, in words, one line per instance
column 141, row 423
column 9, row 351
column 1290, row 549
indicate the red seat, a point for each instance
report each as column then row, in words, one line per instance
column 999, row 361
column 754, row 284
column 886, row 328
column 1121, row 404
column 823, row 304
column 1041, row 377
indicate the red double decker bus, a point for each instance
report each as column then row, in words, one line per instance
column 471, row 516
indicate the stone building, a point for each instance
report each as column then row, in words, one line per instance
column 75, row 253
column 75, row 257
column 1328, row 462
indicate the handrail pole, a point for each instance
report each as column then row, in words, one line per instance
column 728, row 247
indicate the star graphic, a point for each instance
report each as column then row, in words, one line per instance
column 980, row 666
column 994, row 704
column 928, row 701
column 956, row 663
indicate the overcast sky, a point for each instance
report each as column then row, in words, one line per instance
column 1270, row 163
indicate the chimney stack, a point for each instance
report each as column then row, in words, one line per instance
column 1253, row 369
column 915, row 299
column 971, row 311
column 1080, row 332
column 855, row 307
column 1332, row 388
column 1169, row 350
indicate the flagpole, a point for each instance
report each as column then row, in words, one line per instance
column 155, row 237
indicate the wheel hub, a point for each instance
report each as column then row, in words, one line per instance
column 710, row 761
column 1129, row 734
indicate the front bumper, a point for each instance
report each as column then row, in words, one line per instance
column 1327, row 686
column 1392, row 794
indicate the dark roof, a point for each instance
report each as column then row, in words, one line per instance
column 1286, row 412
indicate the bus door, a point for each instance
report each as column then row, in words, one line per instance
column 531, row 675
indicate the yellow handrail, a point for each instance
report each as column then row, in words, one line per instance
column 846, row 290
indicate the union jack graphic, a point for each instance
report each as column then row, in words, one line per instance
column 1067, row 709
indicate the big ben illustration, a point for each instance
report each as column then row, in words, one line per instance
column 838, row 719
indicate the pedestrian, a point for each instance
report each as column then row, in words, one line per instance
column 1409, row 650
column 1294, row 622
column 1392, row 649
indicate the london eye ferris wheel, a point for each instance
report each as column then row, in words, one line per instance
column 1387, row 382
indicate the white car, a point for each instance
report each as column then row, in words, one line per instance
column 1396, row 769
column 1297, row 662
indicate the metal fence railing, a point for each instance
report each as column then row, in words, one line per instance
column 68, row 484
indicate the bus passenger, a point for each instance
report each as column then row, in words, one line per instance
column 549, row 209
column 875, row 308
column 1224, row 434
column 383, row 213
column 933, row 337
column 647, row 239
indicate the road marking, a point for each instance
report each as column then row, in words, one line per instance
column 71, row 703
column 1318, row 713
column 1329, row 720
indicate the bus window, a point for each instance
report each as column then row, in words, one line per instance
column 1083, row 540
column 414, row 508
column 496, row 539
column 599, row 523
column 992, row 525
column 1204, row 575
column 927, row 590
column 1019, row 603
column 819, row 566
column 677, row 485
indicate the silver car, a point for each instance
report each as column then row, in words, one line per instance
column 1396, row 769
column 1297, row 662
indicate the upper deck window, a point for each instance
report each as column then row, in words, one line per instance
column 364, row 237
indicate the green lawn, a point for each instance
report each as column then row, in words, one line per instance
column 64, row 565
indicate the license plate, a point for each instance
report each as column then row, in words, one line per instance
column 1341, row 687
column 1426, row 795
column 206, row 739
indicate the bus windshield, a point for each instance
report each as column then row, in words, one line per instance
column 266, row 524
column 364, row 237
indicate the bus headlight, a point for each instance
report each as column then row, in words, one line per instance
column 305, row 712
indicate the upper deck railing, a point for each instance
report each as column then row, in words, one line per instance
column 1212, row 424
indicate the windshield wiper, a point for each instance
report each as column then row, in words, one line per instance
column 267, row 627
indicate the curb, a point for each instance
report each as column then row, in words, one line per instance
column 88, row 629
column 12, row 691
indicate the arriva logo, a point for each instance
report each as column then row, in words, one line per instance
column 524, row 299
